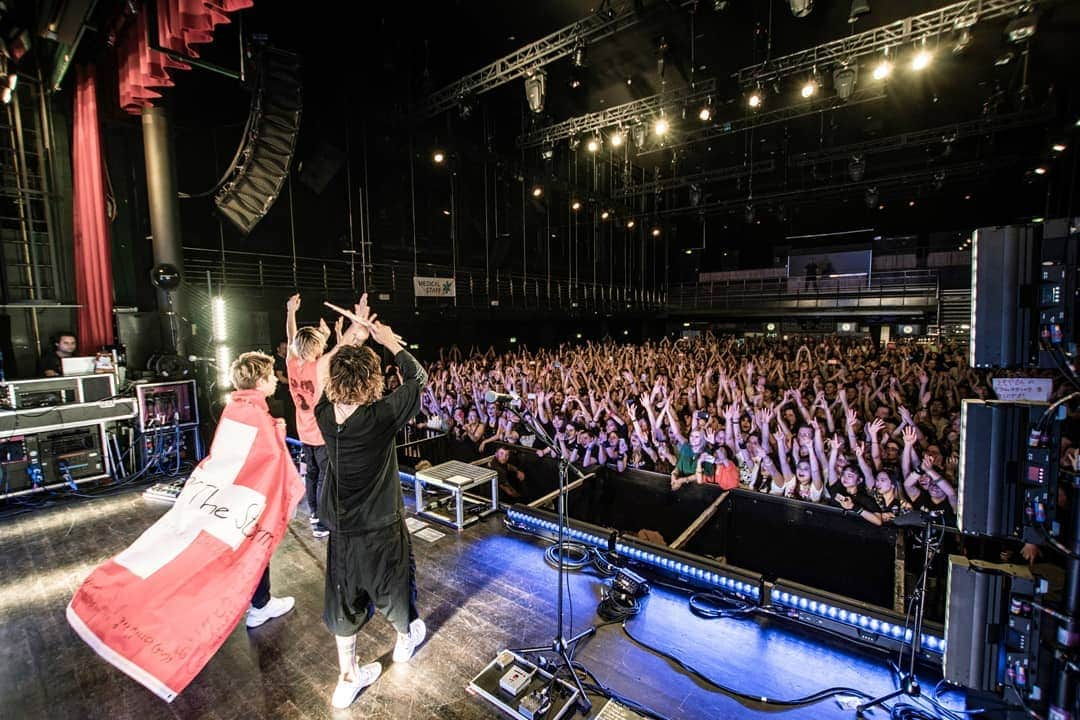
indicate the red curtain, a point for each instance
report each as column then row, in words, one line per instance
column 93, row 262
column 181, row 25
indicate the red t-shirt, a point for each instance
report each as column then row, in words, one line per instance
column 302, row 377
column 726, row 476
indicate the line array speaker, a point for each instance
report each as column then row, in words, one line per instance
column 263, row 163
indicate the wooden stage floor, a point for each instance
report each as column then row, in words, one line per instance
column 480, row 591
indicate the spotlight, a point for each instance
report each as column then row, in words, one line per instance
column 844, row 81
column 446, row 213
column 883, row 69
column 639, row 136
column 1058, row 147
column 963, row 41
column 537, row 191
column 873, row 198
column 858, row 9
column 755, row 99
column 911, row 203
column 573, row 143
column 922, row 60
column 705, row 114
column 580, row 60
column 548, row 152
column 661, row 127
column 575, row 82
column 1022, row 27
column 857, row 167
column 605, row 215
column 1040, row 170
column 749, row 213
column 656, row 232
column 576, row 205
column 593, row 145
column 438, row 157
column 718, row 6
column 616, row 138
column 630, row 224
column 536, row 90
column 810, row 86
column 801, row 8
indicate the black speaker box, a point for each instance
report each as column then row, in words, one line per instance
column 264, row 159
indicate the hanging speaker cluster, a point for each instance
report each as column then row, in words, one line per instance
column 262, row 164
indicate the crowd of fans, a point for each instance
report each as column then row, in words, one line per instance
column 873, row 430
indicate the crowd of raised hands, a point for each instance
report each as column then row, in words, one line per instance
column 836, row 420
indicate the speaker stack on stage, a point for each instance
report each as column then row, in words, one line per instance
column 1007, row 635
column 263, row 161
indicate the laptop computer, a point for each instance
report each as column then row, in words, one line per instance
column 78, row 365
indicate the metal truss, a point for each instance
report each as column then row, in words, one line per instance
column 761, row 119
column 949, row 173
column 732, row 172
column 526, row 60
column 912, row 29
column 624, row 115
column 922, row 138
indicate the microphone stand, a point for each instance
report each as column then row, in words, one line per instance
column 562, row 646
column 909, row 684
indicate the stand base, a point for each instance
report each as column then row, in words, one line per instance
column 560, row 646
column 563, row 696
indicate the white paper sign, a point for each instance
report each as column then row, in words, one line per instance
column 434, row 287
column 1037, row 389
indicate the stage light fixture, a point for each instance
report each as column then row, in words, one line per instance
column 221, row 328
column 575, row 205
column 884, row 68
column 801, row 8
column 630, row 224
column 689, row 251
column 705, row 114
column 1040, row 170
column 1022, row 27
column 616, row 138
column 858, row 9
column 720, row 5
column 580, row 59
column 575, row 82
column 573, row 143
column 446, row 212
column 593, row 145
column 810, row 86
column 224, row 360
column 536, row 90
column 605, row 215
column 438, row 157
column 922, row 59
column 661, row 127
column 639, row 136
column 548, row 152
column 1058, row 147
column 755, row 99
column 873, row 198
column 1004, row 58
column 749, row 213
column 844, row 79
column 537, row 191
column 963, row 42
column 656, row 232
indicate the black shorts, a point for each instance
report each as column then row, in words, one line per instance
column 366, row 572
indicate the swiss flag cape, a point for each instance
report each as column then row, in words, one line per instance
column 159, row 610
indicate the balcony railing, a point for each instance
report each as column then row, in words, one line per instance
column 393, row 281
column 903, row 290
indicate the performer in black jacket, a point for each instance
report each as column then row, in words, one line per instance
column 369, row 563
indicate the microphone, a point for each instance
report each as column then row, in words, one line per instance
column 496, row 397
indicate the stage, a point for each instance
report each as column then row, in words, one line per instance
column 480, row 591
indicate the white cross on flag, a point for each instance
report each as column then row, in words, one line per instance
column 160, row 609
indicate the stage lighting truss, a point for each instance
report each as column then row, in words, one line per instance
column 932, row 24
column 835, row 614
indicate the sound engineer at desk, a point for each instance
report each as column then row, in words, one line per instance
column 62, row 345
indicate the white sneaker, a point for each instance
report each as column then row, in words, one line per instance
column 347, row 690
column 319, row 532
column 277, row 607
column 313, row 520
column 406, row 644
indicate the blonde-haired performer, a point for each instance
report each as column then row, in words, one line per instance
column 306, row 346
column 253, row 380
column 369, row 561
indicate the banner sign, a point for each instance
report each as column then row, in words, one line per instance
column 1037, row 389
column 434, row 287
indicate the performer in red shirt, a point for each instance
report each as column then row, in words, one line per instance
column 306, row 346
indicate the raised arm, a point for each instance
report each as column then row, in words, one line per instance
column 291, row 306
